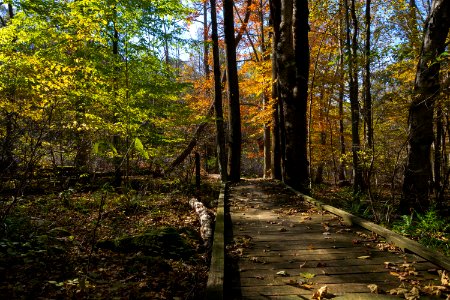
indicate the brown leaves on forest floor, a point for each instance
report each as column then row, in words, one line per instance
column 48, row 248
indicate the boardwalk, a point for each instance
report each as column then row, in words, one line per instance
column 283, row 248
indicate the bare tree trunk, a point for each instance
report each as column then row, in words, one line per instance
column 234, row 152
column 267, row 143
column 352, row 48
column 437, row 151
column 416, row 184
column 205, row 39
column 220, row 133
column 342, row 164
column 367, row 82
column 293, row 73
column 116, row 138
column 275, row 20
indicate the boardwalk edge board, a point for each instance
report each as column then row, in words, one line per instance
column 214, row 286
column 390, row 236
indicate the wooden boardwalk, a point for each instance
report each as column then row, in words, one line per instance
column 283, row 248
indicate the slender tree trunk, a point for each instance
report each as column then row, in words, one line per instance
column 116, row 138
column 416, row 184
column 265, row 102
column 220, row 133
column 438, row 151
column 205, row 39
column 367, row 82
column 275, row 20
column 342, row 164
column 234, row 152
column 352, row 48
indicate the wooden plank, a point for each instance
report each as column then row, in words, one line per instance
column 333, row 259
column 257, row 263
column 335, row 289
column 392, row 237
column 214, row 286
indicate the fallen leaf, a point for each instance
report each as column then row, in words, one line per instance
column 373, row 288
column 320, row 293
column 307, row 275
column 302, row 265
column 445, row 278
column 398, row 291
column 282, row 273
column 364, row 257
column 413, row 294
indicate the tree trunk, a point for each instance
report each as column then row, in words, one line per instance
column 416, row 184
column 352, row 48
column 342, row 164
column 220, row 133
column 234, row 152
column 293, row 72
column 266, row 129
column 275, row 20
column 116, row 138
column 302, row 57
column 286, row 78
column 438, row 152
column 205, row 39
column 367, row 83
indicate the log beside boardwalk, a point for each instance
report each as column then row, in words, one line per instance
column 214, row 287
column 283, row 247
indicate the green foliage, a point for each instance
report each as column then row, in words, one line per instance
column 429, row 228
column 64, row 89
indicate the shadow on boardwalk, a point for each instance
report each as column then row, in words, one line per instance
column 279, row 247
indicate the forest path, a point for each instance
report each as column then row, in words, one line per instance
column 281, row 247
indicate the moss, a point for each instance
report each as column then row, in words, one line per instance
column 163, row 241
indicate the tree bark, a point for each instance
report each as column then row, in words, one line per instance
column 265, row 102
column 342, row 164
column 234, row 152
column 220, row 132
column 367, row 82
column 293, row 72
column 417, row 179
column 352, row 48
column 205, row 39
column 275, row 20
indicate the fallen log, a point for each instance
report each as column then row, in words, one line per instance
column 205, row 221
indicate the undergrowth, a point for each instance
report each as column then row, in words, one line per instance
column 430, row 228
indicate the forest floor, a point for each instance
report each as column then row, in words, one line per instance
column 103, row 244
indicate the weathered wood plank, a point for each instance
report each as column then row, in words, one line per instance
column 335, row 289
column 259, row 263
